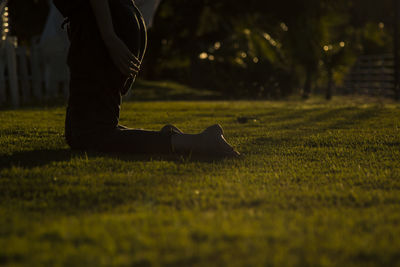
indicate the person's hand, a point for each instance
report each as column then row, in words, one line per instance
column 123, row 59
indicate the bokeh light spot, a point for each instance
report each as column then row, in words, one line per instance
column 203, row 55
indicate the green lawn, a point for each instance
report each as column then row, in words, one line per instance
column 319, row 185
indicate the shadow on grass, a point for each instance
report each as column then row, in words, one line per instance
column 330, row 119
column 34, row 158
column 37, row 158
column 311, row 122
column 48, row 191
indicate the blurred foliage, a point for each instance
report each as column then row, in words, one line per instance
column 268, row 49
column 257, row 49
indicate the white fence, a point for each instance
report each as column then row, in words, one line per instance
column 37, row 73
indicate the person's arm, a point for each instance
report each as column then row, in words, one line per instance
column 125, row 61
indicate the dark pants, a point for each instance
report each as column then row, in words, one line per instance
column 96, row 84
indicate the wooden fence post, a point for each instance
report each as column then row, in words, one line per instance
column 10, row 44
column 2, row 73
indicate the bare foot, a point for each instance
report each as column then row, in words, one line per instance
column 213, row 142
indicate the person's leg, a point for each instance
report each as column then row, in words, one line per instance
column 169, row 140
column 131, row 141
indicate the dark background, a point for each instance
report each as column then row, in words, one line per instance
column 251, row 49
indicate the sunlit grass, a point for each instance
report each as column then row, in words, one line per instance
column 319, row 184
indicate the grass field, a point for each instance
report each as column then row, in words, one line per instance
column 319, row 185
